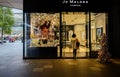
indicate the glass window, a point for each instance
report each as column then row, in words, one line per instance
column 98, row 27
column 41, row 30
column 44, row 27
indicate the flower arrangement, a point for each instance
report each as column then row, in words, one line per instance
column 103, row 54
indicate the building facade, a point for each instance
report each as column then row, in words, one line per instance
column 48, row 28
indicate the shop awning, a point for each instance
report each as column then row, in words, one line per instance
column 17, row 4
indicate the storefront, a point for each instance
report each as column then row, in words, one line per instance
column 48, row 32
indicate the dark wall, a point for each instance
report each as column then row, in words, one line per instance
column 115, row 27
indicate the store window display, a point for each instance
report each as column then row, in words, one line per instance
column 44, row 32
column 45, row 26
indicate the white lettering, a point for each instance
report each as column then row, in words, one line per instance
column 74, row 1
column 65, row 1
column 71, row 1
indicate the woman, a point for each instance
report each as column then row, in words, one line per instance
column 74, row 41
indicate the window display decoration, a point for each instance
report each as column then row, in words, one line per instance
column 43, row 27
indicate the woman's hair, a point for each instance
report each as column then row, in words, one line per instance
column 74, row 35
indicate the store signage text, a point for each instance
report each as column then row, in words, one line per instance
column 75, row 2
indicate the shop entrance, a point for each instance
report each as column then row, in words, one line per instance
column 74, row 22
column 88, row 27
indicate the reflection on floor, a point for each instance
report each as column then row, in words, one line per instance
column 81, row 52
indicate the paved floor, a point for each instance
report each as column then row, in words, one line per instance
column 12, row 65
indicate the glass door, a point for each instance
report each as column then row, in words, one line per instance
column 74, row 22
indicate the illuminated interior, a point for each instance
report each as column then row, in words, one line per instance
column 75, row 22
column 48, row 30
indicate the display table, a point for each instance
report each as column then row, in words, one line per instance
column 42, row 52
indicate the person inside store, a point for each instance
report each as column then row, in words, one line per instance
column 75, row 45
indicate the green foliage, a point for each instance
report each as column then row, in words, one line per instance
column 6, row 19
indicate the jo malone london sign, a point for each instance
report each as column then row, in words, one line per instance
column 74, row 3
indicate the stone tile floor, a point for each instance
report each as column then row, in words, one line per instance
column 12, row 65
